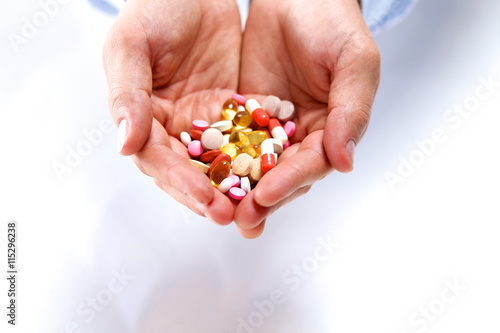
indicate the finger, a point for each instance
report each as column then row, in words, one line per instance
column 182, row 198
column 254, row 232
column 128, row 71
column 158, row 160
column 306, row 166
column 351, row 96
column 220, row 210
column 250, row 214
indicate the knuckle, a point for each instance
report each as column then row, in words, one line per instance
column 115, row 91
column 372, row 52
column 364, row 48
column 359, row 118
column 115, row 97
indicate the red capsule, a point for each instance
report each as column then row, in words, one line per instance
column 277, row 130
column 273, row 123
column 268, row 162
column 261, row 117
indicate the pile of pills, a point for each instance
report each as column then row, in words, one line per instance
column 237, row 151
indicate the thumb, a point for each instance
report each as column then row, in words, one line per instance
column 128, row 71
column 351, row 96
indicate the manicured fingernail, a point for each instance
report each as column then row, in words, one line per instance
column 350, row 148
column 122, row 134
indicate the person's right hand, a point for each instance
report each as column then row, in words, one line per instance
column 168, row 63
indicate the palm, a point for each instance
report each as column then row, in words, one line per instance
column 176, row 61
column 301, row 52
column 288, row 68
column 172, row 62
column 195, row 72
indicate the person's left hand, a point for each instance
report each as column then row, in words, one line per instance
column 321, row 57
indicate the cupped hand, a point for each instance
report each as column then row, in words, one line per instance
column 168, row 63
column 320, row 55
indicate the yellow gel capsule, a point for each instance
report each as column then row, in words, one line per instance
column 229, row 109
column 239, row 138
column 243, row 118
column 220, row 172
column 231, row 149
column 247, row 130
column 240, row 128
column 252, row 150
column 256, row 137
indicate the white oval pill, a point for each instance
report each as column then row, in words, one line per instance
column 272, row 105
column 225, row 185
column 212, row 138
column 225, row 140
column 185, row 138
column 287, row 111
column 223, row 125
column 245, row 184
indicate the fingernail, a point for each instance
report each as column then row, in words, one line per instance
column 350, row 147
column 122, row 134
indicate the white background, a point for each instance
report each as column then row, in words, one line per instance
column 396, row 248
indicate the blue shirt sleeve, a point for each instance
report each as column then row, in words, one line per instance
column 381, row 15
column 111, row 7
